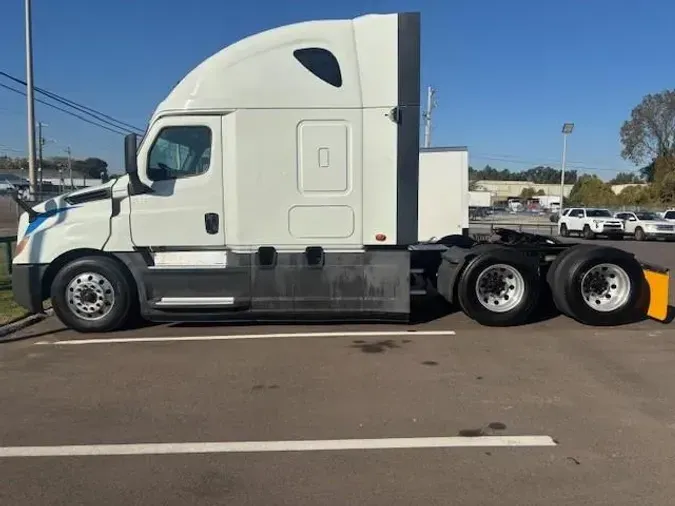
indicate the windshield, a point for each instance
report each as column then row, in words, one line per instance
column 598, row 213
column 646, row 216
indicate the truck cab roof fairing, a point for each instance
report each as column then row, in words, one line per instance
column 262, row 71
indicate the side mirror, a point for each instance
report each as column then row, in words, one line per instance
column 136, row 186
column 130, row 148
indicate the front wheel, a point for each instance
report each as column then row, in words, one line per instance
column 640, row 234
column 92, row 294
column 563, row 231
column 588, row 233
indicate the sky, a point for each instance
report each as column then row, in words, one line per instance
column 507, row 73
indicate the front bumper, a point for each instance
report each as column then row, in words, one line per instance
column 27, row 285
column 602, row 228
column 662, row 234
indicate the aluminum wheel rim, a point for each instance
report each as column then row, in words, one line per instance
column 90, row 296
column 500, row 288
column 606, row 287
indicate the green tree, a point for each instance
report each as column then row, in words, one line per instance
column 540, row 192
column 625, row 178
column 650, row 131
column 647, row 172
column 590, row 190
column 93, row 168
column 540, row 174
column 666, row 188
column 635, row 196
column 527, row 193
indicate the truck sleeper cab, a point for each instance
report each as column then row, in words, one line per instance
column 255, row 197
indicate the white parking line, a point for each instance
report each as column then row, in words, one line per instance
column 374, row 333
column 273, row 446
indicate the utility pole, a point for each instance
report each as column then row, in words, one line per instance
column 70, row 167
column 30, row 100
column 41, row 143
column 431, row 105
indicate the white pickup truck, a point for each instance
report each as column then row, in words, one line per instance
column 590, row 222
column 646, row 225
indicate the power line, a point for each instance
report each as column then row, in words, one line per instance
column 70, row 113
column 81, row 108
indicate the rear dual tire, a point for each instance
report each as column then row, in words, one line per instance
column 598, row 285
column 499, row 287
column 595, row 285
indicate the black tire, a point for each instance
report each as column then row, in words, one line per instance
column 552, row 275
column 640, row 234
column 122, row 308
column 563, row 231
column 468, row 298
column 568, row 270
column 587, row 233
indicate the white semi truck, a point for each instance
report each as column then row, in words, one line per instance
column 279, row 180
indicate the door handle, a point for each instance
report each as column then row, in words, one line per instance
column 211, row 223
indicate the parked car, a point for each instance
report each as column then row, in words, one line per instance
column 11, row 182
column 668, row 215
column 646, row 225
column 590, row 222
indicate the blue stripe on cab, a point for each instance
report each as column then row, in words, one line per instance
column 42, row 217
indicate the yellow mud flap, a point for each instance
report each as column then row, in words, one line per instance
column 658, row 280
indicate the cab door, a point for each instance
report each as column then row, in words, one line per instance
column 180, row 160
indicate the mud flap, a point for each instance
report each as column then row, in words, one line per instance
column 658, row 281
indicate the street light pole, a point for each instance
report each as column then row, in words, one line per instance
column 30, row 100
column 566, row 130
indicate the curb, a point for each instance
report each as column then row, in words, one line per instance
column 8, row 329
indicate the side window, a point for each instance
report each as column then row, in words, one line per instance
column 623, row 216
column 320, row 62
column 179, row 152
column 670, row 215
column 576, row 213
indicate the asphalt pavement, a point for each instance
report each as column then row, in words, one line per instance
column 602, row 398
column 443, row 412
